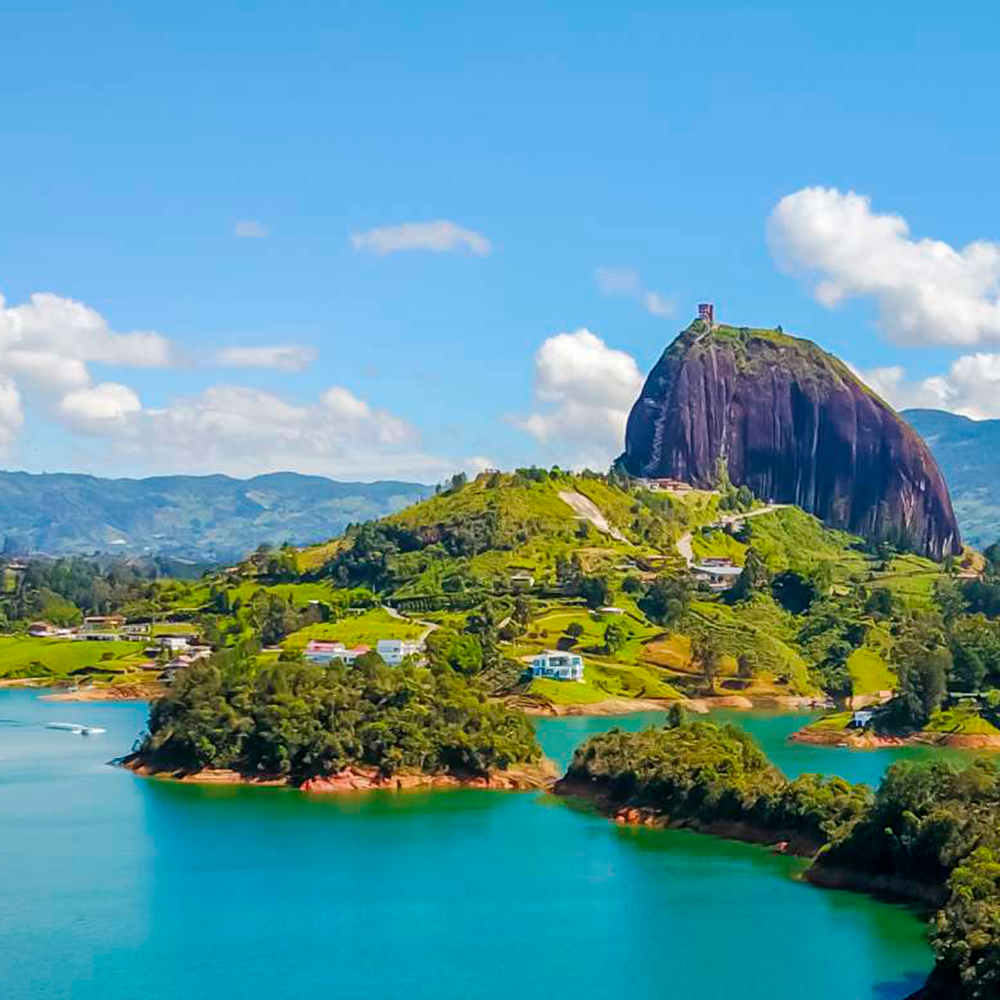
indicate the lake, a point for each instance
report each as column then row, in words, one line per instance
column 115, row 887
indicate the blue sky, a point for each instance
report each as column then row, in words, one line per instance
column 584, row 159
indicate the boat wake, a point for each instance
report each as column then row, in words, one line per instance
column 76, row 728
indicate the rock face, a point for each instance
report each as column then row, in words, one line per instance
column 795, row 425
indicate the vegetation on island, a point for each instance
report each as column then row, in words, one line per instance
column 299, row 721
column 930, row 831
column 704, row 773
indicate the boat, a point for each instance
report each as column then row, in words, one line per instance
column 75, row 727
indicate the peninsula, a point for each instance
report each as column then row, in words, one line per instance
column 928, row 835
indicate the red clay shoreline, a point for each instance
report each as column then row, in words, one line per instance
column 352, row 779
column 874, row 741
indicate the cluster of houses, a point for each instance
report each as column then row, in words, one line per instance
column 184, row 652
column 183, row 648
column 95, row 628
column 393, row 651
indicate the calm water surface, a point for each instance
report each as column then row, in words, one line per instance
column 115, row 887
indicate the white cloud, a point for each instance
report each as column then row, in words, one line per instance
column 585, row 390
column 623, row 281
column 250, row 230
column 46, row 347
column 659, row 305
column 926, row 291
column 283, row 357
column 11, row 414
column 243, row 431
column 971, row 387
column 49, row 325
column 439, row 236
column 94, row 407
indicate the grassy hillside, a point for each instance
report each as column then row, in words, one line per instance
column 471, row 540
column 512, row 564
column 24, row 656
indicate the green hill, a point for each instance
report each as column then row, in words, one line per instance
column 480, row 537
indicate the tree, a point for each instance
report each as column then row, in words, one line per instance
column 615, row 638
column 744, row 666
column 950, row 598
column 755, row 577
column 447, row 649
column 992, row 554
column 881, row 603
column 922, row 685
column 706, row 655
column 667, row 599
column 676, row 716
column 574, row 630
column 975, row 648
column 595, row 590
column 522, row 609
column 794, row 591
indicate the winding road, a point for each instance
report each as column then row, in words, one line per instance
column 684, row 542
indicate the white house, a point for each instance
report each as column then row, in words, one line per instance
column 394, row 651
column 719, row 575
column 862, row 719
column 326, row 652
column 558, row 665
column 174, row 643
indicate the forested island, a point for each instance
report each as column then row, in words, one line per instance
column 930, row 833
column 333, row 727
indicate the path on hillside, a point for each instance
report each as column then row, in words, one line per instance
column 684, row 546
column 428, row 626
column 589, row 511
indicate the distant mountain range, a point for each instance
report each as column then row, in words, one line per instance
column 202, row 518
column 968, row 452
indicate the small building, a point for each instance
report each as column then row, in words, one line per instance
column 861, row 719
column 664, row 485
column 706, row 312
column 394, row 651
column 522, row 581
column 719, row 574
column 137, row 628
column 322, row 653
column 174, row 643
column 611, row 610
column 560, row 666
column 102, row 623
column 39, row 630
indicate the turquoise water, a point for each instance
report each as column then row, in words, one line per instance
column 115, row 887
